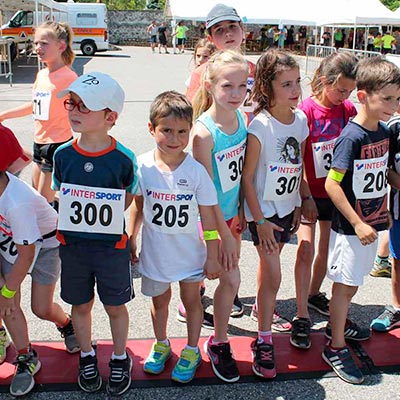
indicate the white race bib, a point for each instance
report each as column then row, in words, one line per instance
column 370, row 177
column 282, row 181
column 171, row 211
column 247, row 105
column 8, row 249
column 91, row 209
column 41, row 105
column 230, row 165
column 322, row 154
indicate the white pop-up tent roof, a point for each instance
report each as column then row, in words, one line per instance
column 304, row 12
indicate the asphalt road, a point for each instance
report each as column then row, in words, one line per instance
column 143, row 75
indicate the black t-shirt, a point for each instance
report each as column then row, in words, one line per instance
column 394, row 163
column 161, row 32
column 354, row 145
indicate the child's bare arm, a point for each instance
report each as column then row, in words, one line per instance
column 17, row 112
column 364, row 232
column 394, row 179
column 135, row 222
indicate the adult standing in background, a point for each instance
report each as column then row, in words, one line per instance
column 282, row 37
column 302, row 38
column 152, row 31
column 387, row 41
column 180, row 33
column 290, row 38
column 338, row 38
column 162, row 37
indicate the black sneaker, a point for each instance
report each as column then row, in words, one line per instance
column 120, row 376
column 351, row 332
column 26, row 366
column 343, row 364
column 222, row 362
column 208, row 319
column 263, row 360
column 237, row 308
column 89, row 379
column 70, row 340
column 320, row 303
column 300, row 336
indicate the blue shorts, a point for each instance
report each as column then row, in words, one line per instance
column 87, row 263
column 394, row 239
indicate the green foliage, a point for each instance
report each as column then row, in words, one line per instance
column 391, row 4
column 120, row 4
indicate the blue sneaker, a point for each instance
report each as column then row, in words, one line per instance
column 389, row 319
column 186, row 366
column 155, row 362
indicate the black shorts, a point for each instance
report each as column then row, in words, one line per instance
column 43, row 154
column 87, row 263
column 280, row 237
column 163, row 40
column 181, row 41
column 325, row 210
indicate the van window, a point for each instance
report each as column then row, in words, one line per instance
column 22, row 18
column 85, row 19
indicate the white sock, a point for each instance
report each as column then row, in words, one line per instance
column 121, row 357
column 196, row 349
column 89, row 353
column 165, row 341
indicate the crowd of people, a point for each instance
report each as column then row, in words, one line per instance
column 259, row 160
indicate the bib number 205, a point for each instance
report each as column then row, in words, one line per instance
column 170, row 215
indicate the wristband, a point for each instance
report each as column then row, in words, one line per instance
column 335, row 175
column 210, row 235
column 7, row 293
column 260, row 221
column 307, row 198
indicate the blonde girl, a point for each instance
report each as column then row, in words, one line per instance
column 328, row 110
column 272, row 177
column 219, row 142
column 53, row 45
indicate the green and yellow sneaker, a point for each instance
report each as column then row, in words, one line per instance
column 186, row 366
column 155, row 362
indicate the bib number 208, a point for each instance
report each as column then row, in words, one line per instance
column 90, row 214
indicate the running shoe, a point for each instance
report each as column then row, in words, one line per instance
column 237, row 308
column 27, row 365
column 263, row 359
column 70, row 340
column 159, row 355
column 300, row 336
column 389, row 319
column 343, row 364
column 4, row 343
column 382, row 268
column 222, row 361
column 208, row 319
column 186, row 366
column 89, row 379
column 120, row 379
column 351, row 332
column 279, row 323
column 320, row 303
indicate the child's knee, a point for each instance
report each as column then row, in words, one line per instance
column 116, row 311
column 82, row 309
column 42, row 311
column 231, row 280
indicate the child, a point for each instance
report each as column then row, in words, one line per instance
column 272, row 176
column 162, row 37
column 357, row 186
column 327, row 111
column 382, row 265
column 390, row 317
column 28, row 245
column 53, row 45
column 174, row 188
column 220, row 131
column 97, row 179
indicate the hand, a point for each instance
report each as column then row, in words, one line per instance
column 228, row 253
column 134, row 257
column 7, row 306
column 296, row 220
column 266, row 236
column 309, row 210
column 212, row 269
column 365, row 233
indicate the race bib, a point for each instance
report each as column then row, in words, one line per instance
column 8, row 249
column 171, row 211
column 322, row 154
column 370, row 178
column 247, row 105
column 91, row 209
column 41, row 105
column 230, row 165
column 282, row 181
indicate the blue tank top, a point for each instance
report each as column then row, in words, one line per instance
column 227, row 163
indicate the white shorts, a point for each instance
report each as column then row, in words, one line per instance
column 348, row 260
column 152, row 288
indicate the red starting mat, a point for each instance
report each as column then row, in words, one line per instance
column 60, row 369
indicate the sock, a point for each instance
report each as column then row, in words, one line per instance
column 121, row 357
column 89, row 353
column 196, row 349
column 25, row 350
column 65, row 323
column 165, row 341
column 380, row 259
column 397, row 309
column 215, row 342
column 334, row 349
column 265, row 337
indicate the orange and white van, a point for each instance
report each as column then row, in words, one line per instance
column 88, row 21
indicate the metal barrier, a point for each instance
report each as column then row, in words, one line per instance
column 360, row 53
column 5, row 59
column 314, row 56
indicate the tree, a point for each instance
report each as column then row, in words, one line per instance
column 124, row 4
column 391, row 4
